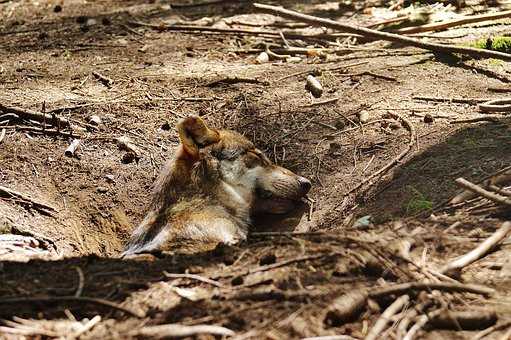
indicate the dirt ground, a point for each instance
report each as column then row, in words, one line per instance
column 48, row 58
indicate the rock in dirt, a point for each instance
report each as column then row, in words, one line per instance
column 345, row 308
column 262, row 58
column 314, row 86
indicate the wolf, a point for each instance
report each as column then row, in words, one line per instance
column 211, row 189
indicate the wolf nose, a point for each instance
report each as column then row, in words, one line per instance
column 305, row 184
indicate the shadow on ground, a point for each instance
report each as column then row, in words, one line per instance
column 428, row 178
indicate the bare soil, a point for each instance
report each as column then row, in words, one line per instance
column 47, row 60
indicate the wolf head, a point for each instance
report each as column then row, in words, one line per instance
column 226, row 163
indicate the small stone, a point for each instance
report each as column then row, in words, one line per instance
column 102, row 189
column 293, row 60
column 314, row 86
column 395, row 126
column 57, row 9
column 428, row 118
column 95, row 120
column 262, row 58
column 91, row 22
column 363, row 116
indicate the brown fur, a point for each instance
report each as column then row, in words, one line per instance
column 212, row 187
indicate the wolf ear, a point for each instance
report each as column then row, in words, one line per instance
column 194, row 134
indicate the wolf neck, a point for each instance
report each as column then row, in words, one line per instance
column 235, row 201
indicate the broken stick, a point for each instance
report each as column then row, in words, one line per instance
column 477, row 253
column 482, row 192
column 37, row 116
column 374, row 34
column 384, row 319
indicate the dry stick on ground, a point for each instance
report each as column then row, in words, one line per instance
column 193, row 277
column 393, row 162
column 429, row 286
column 81, row 281
column 37, row 116
column 384, row 319
column 103, row 79
column 482, row 192
column 422, row 320
column 235, row 80
column 369, row 33
column 501, row 176
column 471, row 101
column 496, row 105
column 180, row 331
column 477, row 253
column 277, row 265
column 4, row 191
column 452, row 23
column 71, row 149
column 191, row 28
column 75, row 299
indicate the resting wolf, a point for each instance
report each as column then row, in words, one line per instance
column 210, row 190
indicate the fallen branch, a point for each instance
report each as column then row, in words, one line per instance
column 235, row 80
column 180, row 331
column 497, row 105
column 466, row 320
column 45, row 208
column 384, row 319
column 437, row 26
column 83, row 299
column 471, row 101
column 480, row 251
column 482, row 192
column 37, row 116
column 369, row 33
column 103, row 79
column 345, row 308
column 429, row 286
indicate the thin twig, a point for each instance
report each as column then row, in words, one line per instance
column 415, row 286
column 180, row 331
column 81, row 281
column 477, row 253
column 193, row 277
column 83, row 299
column 384, row 319
column 482, row 192
column 436, row 26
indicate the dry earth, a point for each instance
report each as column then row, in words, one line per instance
column 47, row 60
